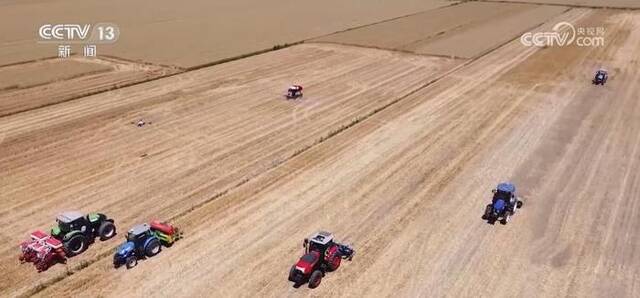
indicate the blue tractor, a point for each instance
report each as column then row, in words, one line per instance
column 141, row 242
column 504, row 204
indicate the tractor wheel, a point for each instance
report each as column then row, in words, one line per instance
column 505, row 219
column 492, row 219
column 519, row 204
column 487, row 212
column 76, row 245
column 315, row 279
column 292, row 273
column 336, row 264
column 131, row 262
column 106, row 230
column 42, row 266
column 153, row 248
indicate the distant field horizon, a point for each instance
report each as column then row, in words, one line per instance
column 171, row 33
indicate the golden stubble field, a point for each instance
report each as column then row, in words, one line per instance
column 394, row 152
column 198, row 32
column 582, row 3
column 467, row 30
column 42, row 83
column 211, row 130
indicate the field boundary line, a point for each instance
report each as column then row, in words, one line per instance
column 389, row 20
column 320, row 42
column 182, row 70
column 29, row 61
column 113, row 59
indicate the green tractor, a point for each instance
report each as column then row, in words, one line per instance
column 77, row 231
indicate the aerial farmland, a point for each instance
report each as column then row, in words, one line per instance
column 413, row 112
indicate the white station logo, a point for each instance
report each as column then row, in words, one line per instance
column 79, row 33
column 563, row 34
column 64, row 31
column 559, row 36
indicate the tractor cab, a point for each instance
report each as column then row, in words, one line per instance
column 69, row 221
column 294, row 91
column 601, row 77
column 139, row 234
column 319, row 242
column 322, row 246
column 321, row 254
column 505, row 192
column 503, row 205
column 145, row 241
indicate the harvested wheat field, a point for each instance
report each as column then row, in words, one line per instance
column 579, row 3
column 173, row 33
column 467, row 30
column 37, row 84
column 396, row 153
column 209, row 130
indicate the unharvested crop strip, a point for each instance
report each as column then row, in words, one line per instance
column 387, row 49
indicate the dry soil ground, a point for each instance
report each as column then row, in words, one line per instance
column 174, row 33
column 467, row 30
column 585, row 3
column 406, row 185
column 210, row 130
column 35, row 84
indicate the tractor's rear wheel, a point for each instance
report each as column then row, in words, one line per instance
column 315, row 279
column 106, row 230
column 292, row 274
column 42, row 266
column 153, row 248
column 519, row 204
column 487, row 212
column 131, row 262
column 336, row 264
column 116, row 262
column 492, row 220
column 505, row 220
column 76, row 245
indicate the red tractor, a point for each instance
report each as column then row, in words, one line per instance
column 294, row 92
column 42, row 250
column 321, row 254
